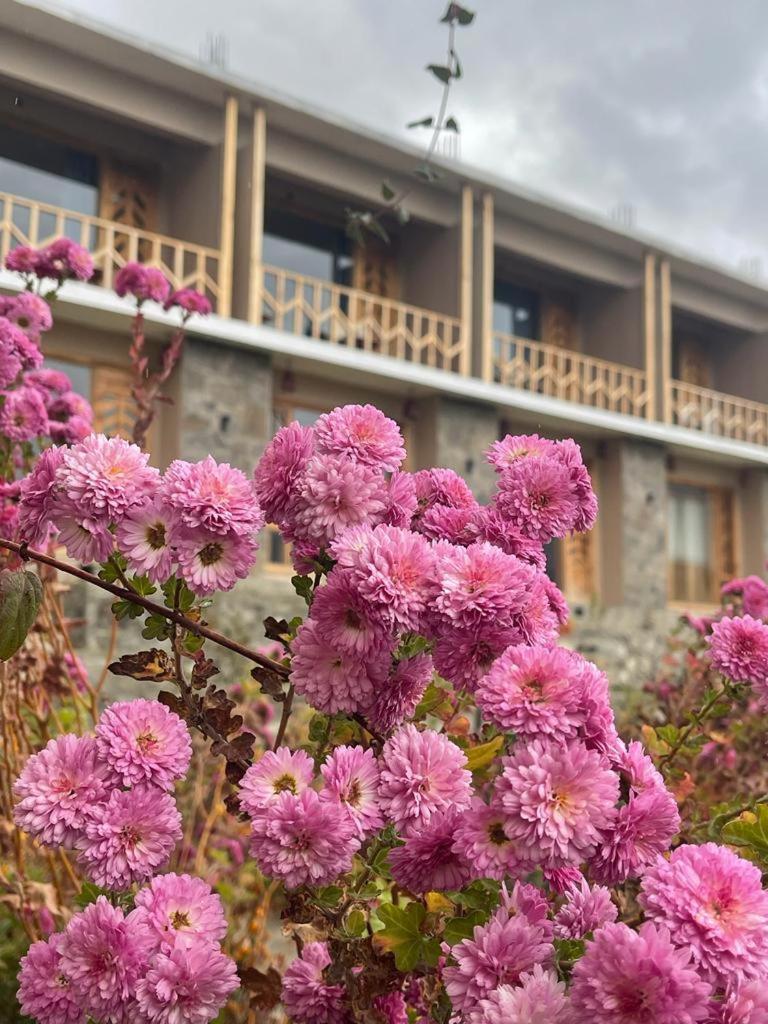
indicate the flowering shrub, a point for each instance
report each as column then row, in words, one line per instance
column 462, row 834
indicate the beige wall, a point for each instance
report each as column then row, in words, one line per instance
column 612, row 325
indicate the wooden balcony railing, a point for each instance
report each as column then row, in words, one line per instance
column 715, row 413
column 355, row 319
column 112, row 245
column 559, row 373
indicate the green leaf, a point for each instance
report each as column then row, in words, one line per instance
column 387, row 192
column 482, row 894
column 434, row 698
column 750, row 832
column 156, row 627
column 460, row 928
column 329, row 896
column 423, row 122
column 441, row 71
column 89, row 894
column 354, row 923
column 483, row 755
column 20, row 596
column 109, row 570
column 411, row 645
column 303, row 587
column 143, row 585
column 403, row 937
column 452, row 125
column 459, row 14
column 375, row 227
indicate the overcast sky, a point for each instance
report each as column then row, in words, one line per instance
column 661, row 104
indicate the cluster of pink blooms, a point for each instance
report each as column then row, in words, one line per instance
column 198, row 520
column 149, row 284
column 108, row 797
column 62, row 260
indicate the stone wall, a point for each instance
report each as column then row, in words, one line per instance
column 463, row 431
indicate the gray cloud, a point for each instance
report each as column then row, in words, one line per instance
column 659, row 103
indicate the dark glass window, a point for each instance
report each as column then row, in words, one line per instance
column 307, row 246
column 46, row 171
column 515, row 311
column 81, row 376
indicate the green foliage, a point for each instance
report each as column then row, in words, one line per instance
column 750, row 833
column 459, row 928
column 20, row 597
column 303, row 587
column 402, row 935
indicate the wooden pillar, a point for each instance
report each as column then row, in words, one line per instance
column 652, row 410
column 665, row 321
column 258, row 164
column 227, row 207
column 486, row 287
column 465, row 279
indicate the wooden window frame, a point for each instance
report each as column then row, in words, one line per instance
column 724, row 564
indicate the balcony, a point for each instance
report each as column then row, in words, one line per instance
column 344, row 316
column 545, row 369
column 713, row 412
column 112, row 245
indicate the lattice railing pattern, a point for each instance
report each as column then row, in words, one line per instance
column 112, row 245
column 712, row 412
column 571, row 376
column 356, row 319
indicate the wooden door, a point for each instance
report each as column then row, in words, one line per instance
column 128, row 195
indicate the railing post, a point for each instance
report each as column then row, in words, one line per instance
column 227, row 207
column 465, row 279
column 485, row 319
column 258, row 163
column 649, row 333
column 665, row 301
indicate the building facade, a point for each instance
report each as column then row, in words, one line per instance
column 489, row 311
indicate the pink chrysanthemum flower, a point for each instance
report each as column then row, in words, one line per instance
column 422, row 773
column 392, row 569
column 179, row 906
column 38, row 493
column 560, row 880
column 362, row 433
column 306, row 996
column 753, row 592
column 456, row 525
column 534, row 691
column 186, row 984
column 104, row 477
column 277, row 771
column 442, row 487
column 628, row 977
column 131, row 838
column 463, row 656
column 490, row 525
column 30, row 313
column 586, row 909
column 400, row 501
column 397, row 699
column 303, row 840
column 335, row 494
column 479, row 584
column 633, row 762
column 189, row 301
column 23, row 415
column 64, row 259
column 280, row 469
column 331, row 680
column 143, row 741
column 739, row 649
column 481, row 839
column 45, row 992
column 142, row 282
column 144, row 537
column 528, row 900
column 351, row 777
column 346, row 619
column 85, row 539
column 746, row 1002
column 599, row 727
column 569, row 454
column 104, row 953
column 391, row 1008
column 54, row 381
column 22, row 259
column 209, row 561
column 213, row 496
column 10, row 362
column 536, row 495
column 644, row 828
column 713, row 903
column 499, row 953
column 59, row 788
column 538, row 999
column 559, row 798
column 515, row 447
column 429, row 861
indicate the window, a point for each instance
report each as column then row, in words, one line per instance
column 307, row 247
column 515, row 311
column 701, row 541
column 46, row 171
